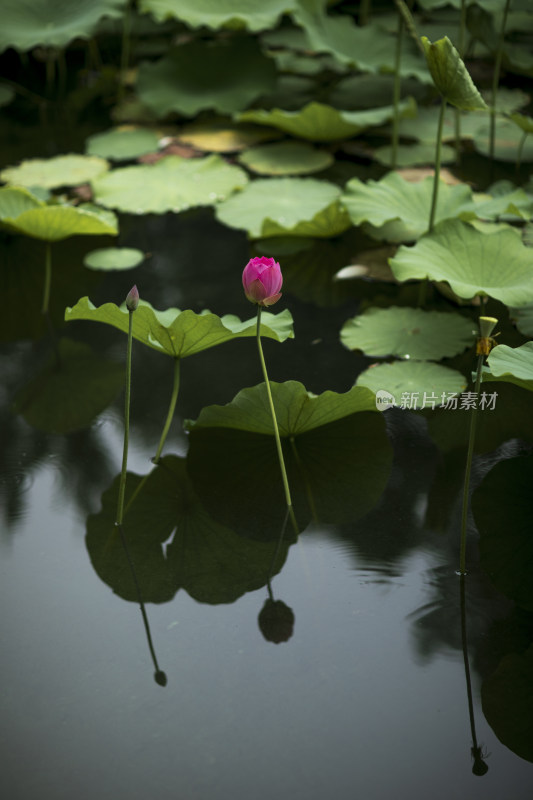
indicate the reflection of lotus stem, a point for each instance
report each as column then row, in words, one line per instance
column 437, row 166
column 308, row 491
column 273, row 412
column 122, row 486
column 468, row 470
column 495, row 82
column 47, row 277
column 461, row 51
column 171, row 409
column 397, row 91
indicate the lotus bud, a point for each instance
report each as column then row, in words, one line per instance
column 262, row 281
column 276, row 621
column 132, row 300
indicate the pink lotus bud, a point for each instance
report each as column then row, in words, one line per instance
column 262, row 281
column 132, row 300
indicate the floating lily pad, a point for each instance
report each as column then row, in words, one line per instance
column 50, row 173
column 67, row 397
column 286, row 158
column 174, row 543
column 496, row 264
column 234, row 14
column 507, row 143
column 172, row 184
column 322, row 123
column 52, row 23
column 502, row 509
column 450, row 75
column 507, row 698
column 514, row 364
column 222, row 136
column 397, row 210
column 408, row 333
column 414, row 155
column 412, row 384
column 181, row 333
column 367, row 90
column 111, row 258
column 56, row 222
column 198, row 76
column 14, row 200
column 123, row 144
column 335, row 446
column 286, row 206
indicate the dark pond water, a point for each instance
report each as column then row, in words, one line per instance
column 368, row 697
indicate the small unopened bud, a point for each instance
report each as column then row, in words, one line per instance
column 487, row 325
column 132, row 300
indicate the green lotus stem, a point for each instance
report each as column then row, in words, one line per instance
column 397, row 92
column 125, row 53
column 437, row 166
column 460, row 50
column 273, row 412
column 122, row 485
column 364, row 12
column 47, row 277
column 171, row 409
column 495, row 82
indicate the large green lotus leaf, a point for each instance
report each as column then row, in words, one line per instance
column 50, row 173
column 217, row 14
column 408, row 333
column 397, row 210
column 123, row 144
column 67, row 397
column 356, row 92
column 336, row 469
column 368, row 48
column 286, row 158
column 172, row 184
column 502, row 508
column 496, row 264
column 502, row 199
column 412, row 384
column 181, row 333
column 507, row 701
column 286, row 206
column 114, row 258
column 52, row 23
column 322, row 123
column 198, row 76
column 508, row 141
column 424, row 125
column 53, row 223
column 210, row 562
column 450, row 75
column 297, row 410
column 14, row 200
column 414, row 155
column 514, row 364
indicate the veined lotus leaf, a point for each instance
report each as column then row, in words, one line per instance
column 111, row 258
column 369, row 48
column 502, row 510
column 450, row 75
column 413, row 384
column 322, row 123
column 181, row 333
column 297, row 410
column 172, row 184
column 52, row 23
column 53, row 223
column 408, row 333
column 123, row 144
column 49, row 173
column 286, row 206
column 286, row 158
column 67, row 398
column 198, row 76
column 209, row 561
column 396, row 210
column 513, row 364
column 215, row 14
column 14, row 200
column 496, row 264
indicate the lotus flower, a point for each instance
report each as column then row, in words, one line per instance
column 262, row 281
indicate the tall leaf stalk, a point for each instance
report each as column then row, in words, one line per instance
column 495, row 82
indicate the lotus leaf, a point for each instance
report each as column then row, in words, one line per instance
column 413, row 384
column 56, row 222
column 286, row 158
column 450, row 75
column 50, row 173
column 514, row 364
column 123, row 144
column 217, row 14
column 110, row 258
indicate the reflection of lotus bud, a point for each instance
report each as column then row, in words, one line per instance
column 276, row 621
column 160, row 677
column 132, row 300
column 479, row 767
